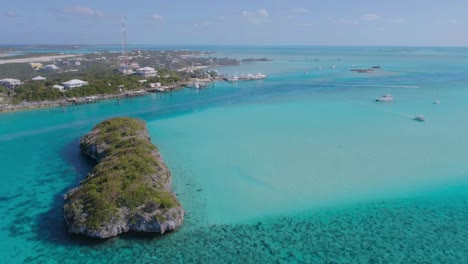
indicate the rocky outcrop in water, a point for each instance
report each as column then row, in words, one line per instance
column 128, row 190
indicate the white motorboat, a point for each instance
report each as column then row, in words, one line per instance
column 259, row 76
column 419, row 118
column 385, row 98
column 194, row 85
column 233, row 79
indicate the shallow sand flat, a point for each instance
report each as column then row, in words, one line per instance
column 39, row 59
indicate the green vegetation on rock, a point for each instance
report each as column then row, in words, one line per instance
column 129, row 176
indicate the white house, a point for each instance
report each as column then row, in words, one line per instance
column 74, row 83
column 154, row 85
column 10, row 83
column 125, row 69
column 59, row 87
column 39, row 78
column 147, row 72
column 51, row 67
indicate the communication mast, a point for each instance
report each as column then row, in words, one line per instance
column 124, row 66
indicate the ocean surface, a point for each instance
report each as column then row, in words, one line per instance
column 302, row 167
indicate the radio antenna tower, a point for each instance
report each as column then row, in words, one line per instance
column 124, row 41
column 124, row 67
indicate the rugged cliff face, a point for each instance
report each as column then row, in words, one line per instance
column 128, row 190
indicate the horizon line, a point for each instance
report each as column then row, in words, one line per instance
column 241, row 45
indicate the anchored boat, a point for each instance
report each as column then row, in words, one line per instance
column 385, row 98
column 419, row 118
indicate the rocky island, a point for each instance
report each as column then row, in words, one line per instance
column 128, row 190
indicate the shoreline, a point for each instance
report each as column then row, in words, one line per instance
column 11, row 108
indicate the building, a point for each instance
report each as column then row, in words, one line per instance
column 73, row 84
column 36, row 65
column 39, row 78
column 125, row 69
column 51, row 67
column 10, row 83
column 154, row 85
column 147, row 72
column 58, row 87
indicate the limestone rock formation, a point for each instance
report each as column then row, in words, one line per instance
column 128, row 190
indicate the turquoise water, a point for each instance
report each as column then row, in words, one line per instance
column 303, row 167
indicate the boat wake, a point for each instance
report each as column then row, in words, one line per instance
column 409, row 116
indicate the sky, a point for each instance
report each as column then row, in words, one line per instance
column 240, row 22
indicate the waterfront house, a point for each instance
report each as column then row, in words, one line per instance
column 154, row 85
column 39, row 78
column 58, row 87
column 73, row 84
column 10, row 83
column 147, row 72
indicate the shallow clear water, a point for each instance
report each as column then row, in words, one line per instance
column 301, row 167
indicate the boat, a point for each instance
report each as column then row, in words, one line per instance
column 232, row 79
column 419, row 118
column 194, row 85
column 437, row 101
column 259, row 76
column 246, row 77
column 385, row 98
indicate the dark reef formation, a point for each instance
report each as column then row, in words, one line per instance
column 128, row 190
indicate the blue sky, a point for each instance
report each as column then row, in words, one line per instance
column 257, row 22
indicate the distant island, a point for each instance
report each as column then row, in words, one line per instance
column 255, row 60
column 128, row 190
column 366, row 70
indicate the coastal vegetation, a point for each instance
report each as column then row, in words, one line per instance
column 102, row 80
column 130, row 187
column 175, row 68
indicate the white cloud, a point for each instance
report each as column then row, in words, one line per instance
column 11, row 13
column 157, row 17
column 256, row 17
column 82, row 11
column 299, row 10
column 263, row 13
column 370, row 17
